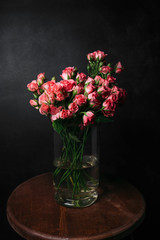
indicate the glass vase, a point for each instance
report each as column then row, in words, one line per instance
column 75, row 166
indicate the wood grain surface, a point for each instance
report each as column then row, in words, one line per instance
column 34, row 214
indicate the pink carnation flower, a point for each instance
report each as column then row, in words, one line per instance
column 104, row 91
column 90, row 56
column 40, row 78
column 68, row 85
column 109, row 108
column 120, row 93
column 88, row 118
column 105, row 69
column 50, row 94
column 44, row 109
column 79, row 88
column 43, row 98
column 96, row 103
column 80, row 99
column 73, row 107
column 99, row 54
column 81, row 77
column 96, row 55
column 34, row 103
column 33, row 86
column 65, row 113
column 90, row 80
column 110, row 79
column 119, row 67
column 99, row 80
column 68, row 73
column 59, row 91
column 113, row 97
column 55, row 112
column 93, row 96
column 89, row 88
column 57, row 88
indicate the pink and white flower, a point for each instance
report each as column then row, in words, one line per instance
column 43, row 98
column 91, row 56
column 44, row 109
column 88, row 118
column 55, row 112
column 93, row 96
column 111, row 79
column 99, row 80
column 47, row 85
column 68, row 73
column 122, row 95
column 119, row 67
column 65, row 113
column 99, row 54
column 57, row 88
column 51, row 95
column 60, row 96
column 114, row 97
column 73, row 107
column 40, row 78
column 77, row 94
column 96, row 103
column 79, row 88
column 96, row 55
column 105, row 69
column 90, row 80
column 80, row 99
column 81, row 77
column 33, row 86
column 59, row 91
column 68, row 85
column 89, row 88
column 55, row 117
column 34, row 103
column 109, row 108
column 104, row 91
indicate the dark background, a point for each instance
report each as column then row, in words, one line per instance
column 51, row 35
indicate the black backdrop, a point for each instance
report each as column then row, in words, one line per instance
column 51, row 35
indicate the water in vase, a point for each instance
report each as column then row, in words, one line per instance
column 76, row 187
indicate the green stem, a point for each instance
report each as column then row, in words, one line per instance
column 72, row 154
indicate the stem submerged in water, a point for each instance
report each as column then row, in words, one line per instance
column 72, row 160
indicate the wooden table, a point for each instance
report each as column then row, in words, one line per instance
column 33, row 213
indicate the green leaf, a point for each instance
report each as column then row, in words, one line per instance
column 58, row 127
column 102, row 118
column 101, row 64
column 41, row 90
column 35, row 95
column 88, row 68
column 74, row 137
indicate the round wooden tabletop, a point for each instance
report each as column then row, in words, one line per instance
column 33, row 213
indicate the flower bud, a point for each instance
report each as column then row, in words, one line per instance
column 33, row 86
column 34, row 103
column 119, row 67
column 40, row 79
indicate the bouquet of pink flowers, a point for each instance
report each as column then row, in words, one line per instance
column 86, row 99
column 76, row 102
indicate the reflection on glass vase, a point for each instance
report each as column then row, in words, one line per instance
column 76, row 168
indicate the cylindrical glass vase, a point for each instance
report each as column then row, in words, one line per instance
column 76, row 168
